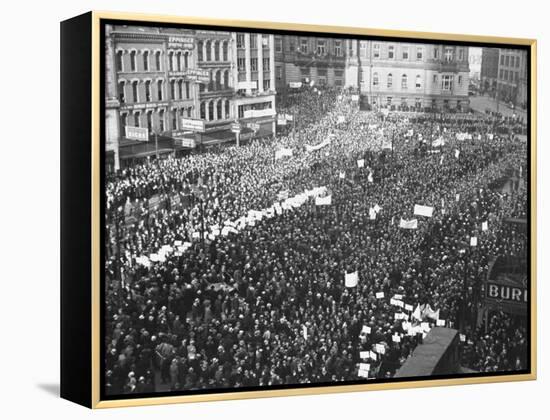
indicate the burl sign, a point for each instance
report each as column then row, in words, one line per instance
column 506, row 298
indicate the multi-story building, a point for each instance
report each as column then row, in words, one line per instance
column 254, row 83
column 512, row 76
column 489, row 70
column 164, row 80
column 306, row 59
column 408, row 74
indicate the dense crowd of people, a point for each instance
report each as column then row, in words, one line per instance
column 191, row 305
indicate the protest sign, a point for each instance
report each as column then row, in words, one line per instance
column 351, row 279
column 420, row 210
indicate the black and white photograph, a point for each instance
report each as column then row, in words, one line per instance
column 289, row 209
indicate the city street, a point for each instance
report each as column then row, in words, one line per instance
column 481, row 103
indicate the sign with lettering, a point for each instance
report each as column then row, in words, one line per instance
column 137, row 133
column 255, row 113
column 506, row 298
column 192, row 124
column 236, row 127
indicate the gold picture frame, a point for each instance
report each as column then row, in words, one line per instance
column 89, row 394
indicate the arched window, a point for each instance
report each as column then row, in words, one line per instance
column 119, row 66
column 135, row 91
column 189, row 110
column 159, row 90
column 149, row 121
column 390, row 80
column 173, row 89
column 216, row 51
column 218, row 80
column 187, row 90
column 148, row 96
column 179, row 61
column 123, row 122
column 227, row 109
column 121, row 95
column 210, row 111
column 404, row 81
column 226, row 79
column 418, row 83
column 136, row 119
column 174, row 119
column 203, row 111
column 199, row 51
column 146, row 61
column 157, row 60
column 225, row 51
column 133, row 66
column 180, row 89
column 161, row 120
column 375, row 80
column 219, row 109
column 186, row 60
column 171, row 61
column 208, row 51
column 211, row 82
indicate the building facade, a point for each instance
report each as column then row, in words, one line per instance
column 400, row 75
column 512, row 77
column 489, row 70
column 306, row 59
column 254, row 83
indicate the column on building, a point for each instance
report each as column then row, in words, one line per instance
column 260, row 45
column 247, row 62
column 272, row 62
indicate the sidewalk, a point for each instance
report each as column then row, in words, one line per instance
column 481, row 103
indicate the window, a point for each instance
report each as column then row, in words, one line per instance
column 418, row 82
column 148, row 91
column 240, row 41
column 404, row 81
column 516, row 74
column 175, row 119
column 210, row 111
column 362, row 48
column 403, row 101
column 172, row 89
column 501, row 74
column 507, row 61
column 448, row 54
column 417, row 102
column 186, row 60
column 136, row 119
column 159, row 90
column 180, row 89
column 171, row 61
column 119, row 61
column 178, row 60
column 135, row 91
column 303, row 45
column 226, row 79
column 361, row 75
column 375, row 80
column 253, row 41
column 241, row 64
column 279, row 72
column 267, row 84
column 219, row 110
column 419, row 53
column 388, row 100
column 157, row 60
column 338, row 73
column 278, row 44
column 187, row 90
column 161, row 120
column 208, row 51
column 254, row 64
column 436, row 53
column 338, row 48
column 321, row 47
column 266, row 64
column 124, row 122
column 217, row 51
column 200, row 51
column 435, row 79
column 121, row 96
column 501, row 60
column 405, row 53
column 203, row 111
column 226, row 109
column 225, row 51
column 391, row 50
column 146, row 61
column 447, row 82
column 133, row 61
column 390, row 80
column 460, row 80
column 149, row 118
column 376, row 51
column 460, row 54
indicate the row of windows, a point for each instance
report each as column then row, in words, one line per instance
column 266, row 85
column 215, row 110
column 213, row 50
column 136, row 119
column 241, row 64
column 509, row 75
column 510, row 61
column 446, row 81
column 178, row 90
column 218, row 80
column 121, row 62
column 253, row 41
